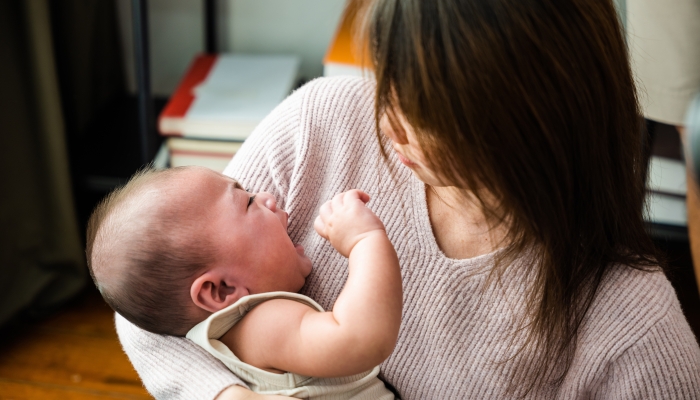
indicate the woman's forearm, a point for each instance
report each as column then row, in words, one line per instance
column 172, row 367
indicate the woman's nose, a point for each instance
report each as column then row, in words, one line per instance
column 398, row 137
column 267, row 200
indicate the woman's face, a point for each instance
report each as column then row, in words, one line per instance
column 405, row 144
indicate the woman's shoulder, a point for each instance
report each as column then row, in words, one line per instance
column 634, row 325
column 340, row 104
column 630, row 305
column 338, row 89
column 334, row 108
column 628, row 285
column 336, row 133
column 320, row 102
column 633, row 299
column 305, row 126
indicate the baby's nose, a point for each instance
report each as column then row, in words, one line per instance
column 268, row 200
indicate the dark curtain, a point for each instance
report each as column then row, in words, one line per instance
column 88, row 62
column 59, row 61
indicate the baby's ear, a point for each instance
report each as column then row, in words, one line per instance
column 215, row 290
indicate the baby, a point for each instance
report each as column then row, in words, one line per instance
column 188, row 251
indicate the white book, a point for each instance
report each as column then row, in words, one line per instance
column 225, row 96
column 338, row 69
column 212, row 154
column 667, row 175
column 666, row 209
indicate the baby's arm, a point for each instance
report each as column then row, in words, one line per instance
column 361, row 330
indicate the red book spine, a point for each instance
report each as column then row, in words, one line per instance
column 183, row 97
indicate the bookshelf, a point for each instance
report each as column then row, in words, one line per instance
column 122, row 136
column 146, row 115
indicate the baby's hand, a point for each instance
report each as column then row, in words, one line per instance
column 346, row 220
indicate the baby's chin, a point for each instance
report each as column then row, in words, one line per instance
column 300, row 281
column 307, row 267
column 305, row 263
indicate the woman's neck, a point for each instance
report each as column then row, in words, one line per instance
column 459, row 225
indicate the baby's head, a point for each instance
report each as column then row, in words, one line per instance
column 172, row 246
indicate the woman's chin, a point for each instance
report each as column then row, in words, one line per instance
column 426, row 178
column 423, row 174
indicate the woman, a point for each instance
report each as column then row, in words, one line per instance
column 512, row 188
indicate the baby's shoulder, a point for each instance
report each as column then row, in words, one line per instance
column 271, row 316
column 271, row 302
column 260, row 320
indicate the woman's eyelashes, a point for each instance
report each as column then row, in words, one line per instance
column 250, row 201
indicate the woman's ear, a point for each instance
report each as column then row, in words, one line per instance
column 215, row 290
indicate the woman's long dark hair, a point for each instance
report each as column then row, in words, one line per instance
column 534, row 101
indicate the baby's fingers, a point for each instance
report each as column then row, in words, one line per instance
column 356, row 194
column 320, row 227
column 326, row 209
column 338, row 201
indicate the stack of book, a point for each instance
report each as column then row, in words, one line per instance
column 666, row 192
column 219, row 102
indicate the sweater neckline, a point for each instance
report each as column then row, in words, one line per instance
column 426, row 237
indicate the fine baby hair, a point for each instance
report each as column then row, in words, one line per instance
column 143, row 252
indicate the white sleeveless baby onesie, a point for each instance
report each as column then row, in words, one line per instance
column 364, row 386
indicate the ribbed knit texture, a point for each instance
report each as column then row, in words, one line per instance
column 457, row 334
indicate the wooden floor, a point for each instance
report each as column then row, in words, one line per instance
column 73, row 355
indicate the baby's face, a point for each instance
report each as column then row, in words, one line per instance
column 247, row 231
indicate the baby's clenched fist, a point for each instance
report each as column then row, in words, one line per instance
column 345, row 220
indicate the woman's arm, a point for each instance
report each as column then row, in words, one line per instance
column 191, row 374
column 176, row 368
column 172, row 367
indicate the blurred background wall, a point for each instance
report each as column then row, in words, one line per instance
column 302, row 27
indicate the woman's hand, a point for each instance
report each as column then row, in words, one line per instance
column 236, row 392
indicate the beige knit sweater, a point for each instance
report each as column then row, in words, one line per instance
column 456, row 333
